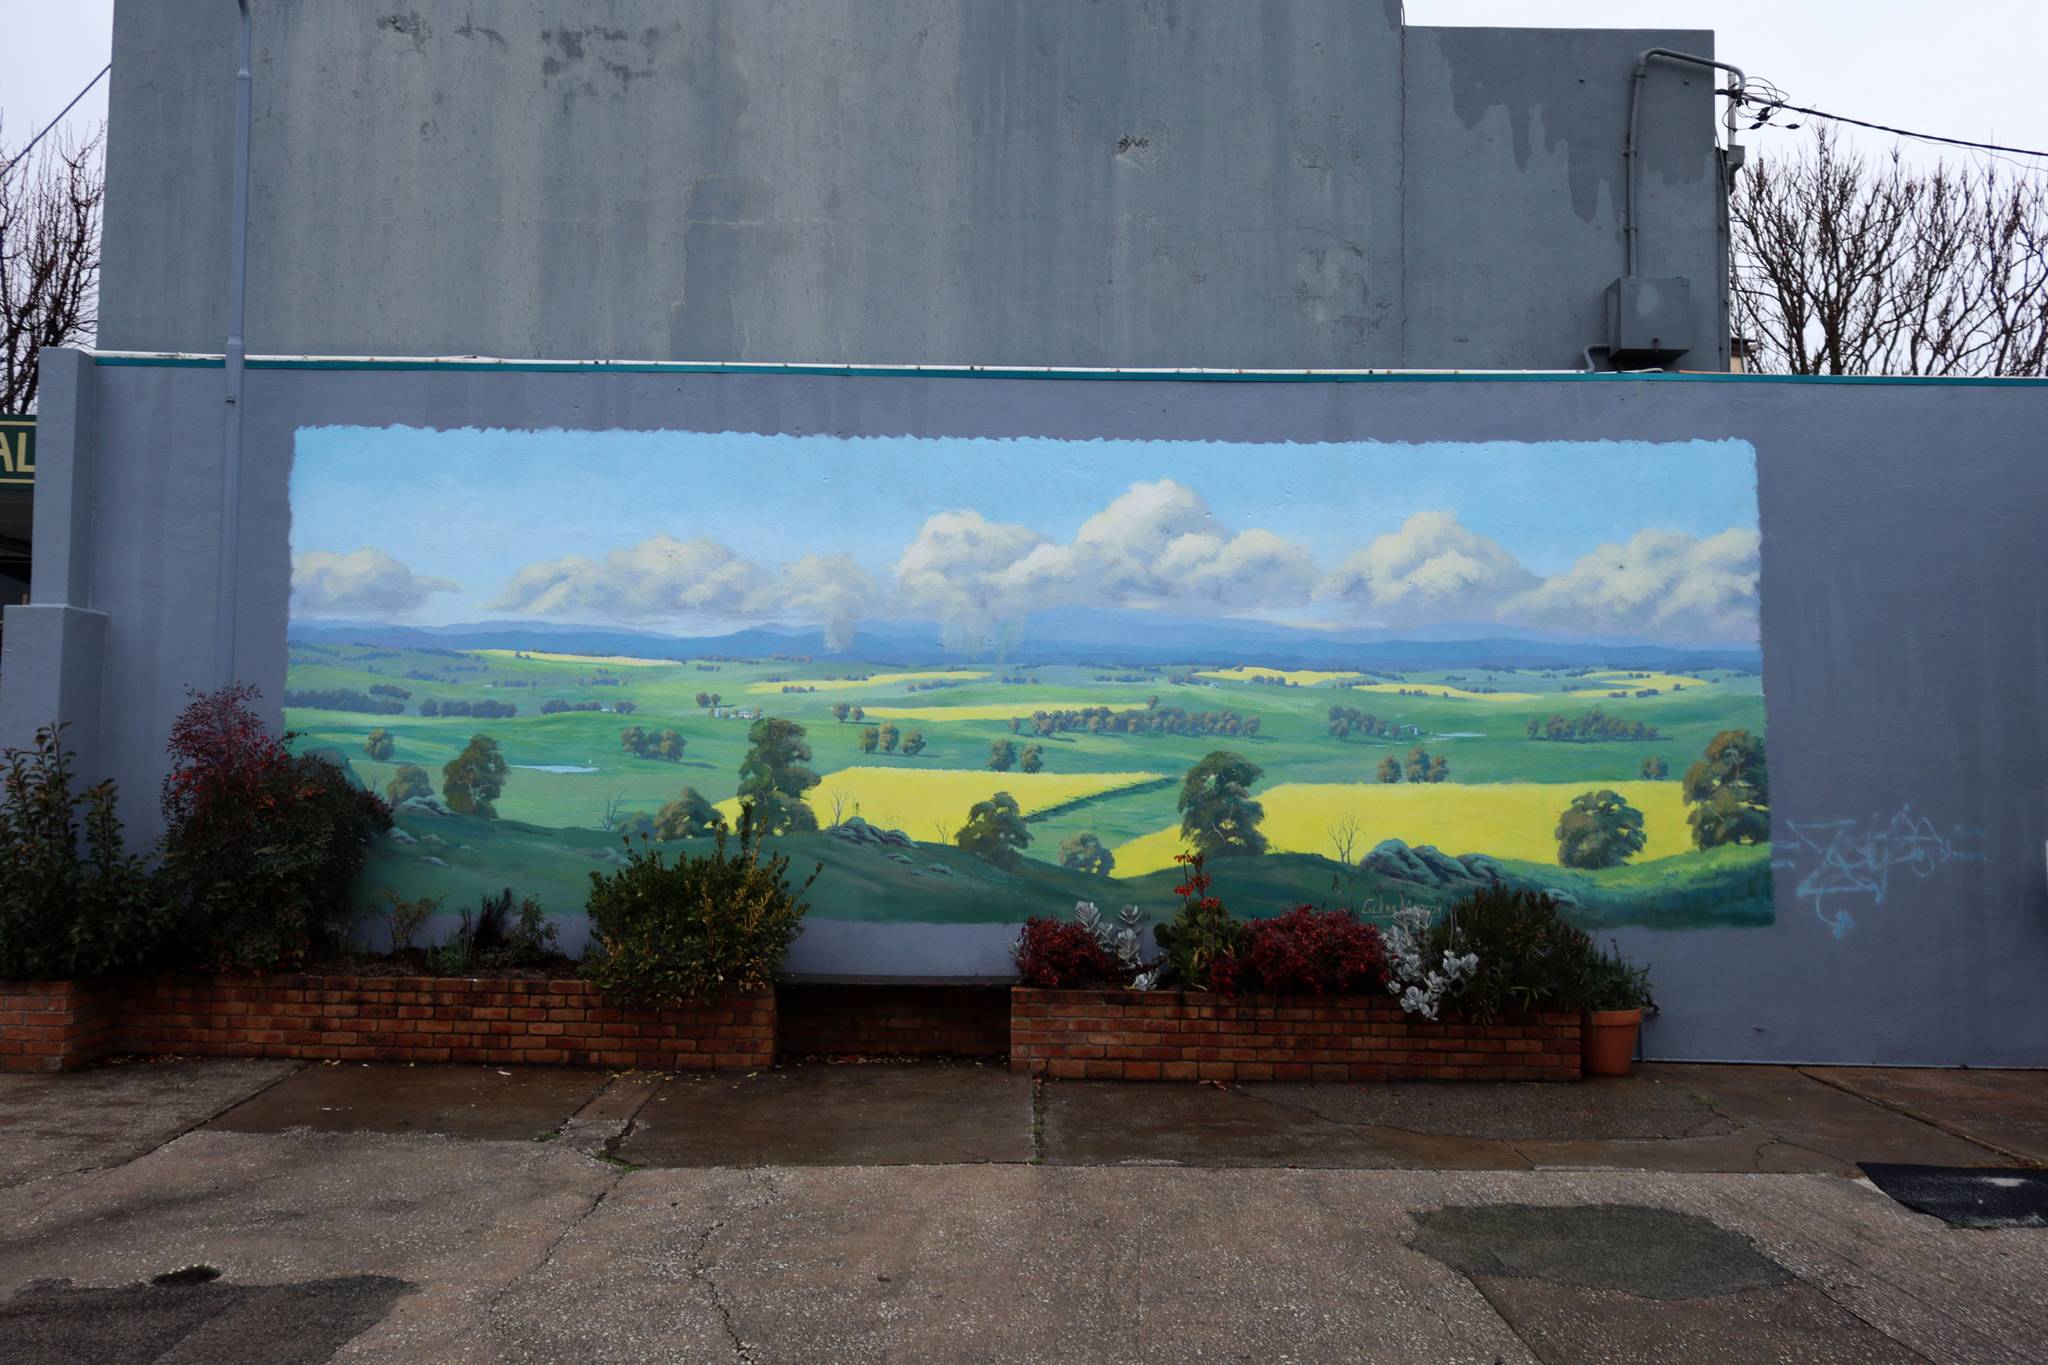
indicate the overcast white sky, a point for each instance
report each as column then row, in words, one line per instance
column 1965, row 68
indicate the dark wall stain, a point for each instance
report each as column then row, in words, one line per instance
column 470, row 29
column 410, row 26
column 573, row 45
column 1531, row 77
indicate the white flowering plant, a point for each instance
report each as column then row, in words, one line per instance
column 1419, row 983
column 1123, row 938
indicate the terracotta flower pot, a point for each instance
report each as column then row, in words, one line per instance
column 1607, row 1041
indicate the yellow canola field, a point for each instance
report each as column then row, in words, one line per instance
column 848, row 684
column 626, row 659
column 1301, row 677
column 1663, row 682
column 921, row 801
column 1504, row 819
column 1440, row 690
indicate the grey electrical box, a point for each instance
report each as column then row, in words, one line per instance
column 1649, row 320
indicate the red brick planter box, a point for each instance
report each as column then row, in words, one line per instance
column 1193, row 1035
column 53, row 1026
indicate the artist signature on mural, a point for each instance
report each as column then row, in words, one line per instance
column 1859, row 858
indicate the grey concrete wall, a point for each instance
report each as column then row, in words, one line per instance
column 1031, row 182
column 1905, row 633
column 1515, row 189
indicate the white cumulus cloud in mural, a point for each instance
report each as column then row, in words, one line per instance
column 1156, row 545
column 1664, row 584
column 1431, row 570
column 831, row 589
column 948, row 572
column 662, row 578
column 1159, row 544
column 655, row 578
column 1660, row 583
column 365, row 582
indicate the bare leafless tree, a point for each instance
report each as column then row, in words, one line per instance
column 1846, row 265
column 1344, row 838
column 49, row 258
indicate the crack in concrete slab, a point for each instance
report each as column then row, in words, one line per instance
column 194, row 1126
column 701, row 1269
column 547, row 1256
column 1792, row 1234
column 1833, row 1083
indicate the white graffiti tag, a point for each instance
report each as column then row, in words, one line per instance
column 1857, row 858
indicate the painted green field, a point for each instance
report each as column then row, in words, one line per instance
column 570, row 774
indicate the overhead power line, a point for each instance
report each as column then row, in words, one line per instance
column 8, row 169
column 1771, row 106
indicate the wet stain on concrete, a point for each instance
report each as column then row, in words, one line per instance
column 190, row 1319
column 1648, row 1252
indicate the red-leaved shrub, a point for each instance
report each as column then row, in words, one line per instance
column 1060, row 954
column 260, row 844
column 1305, row 952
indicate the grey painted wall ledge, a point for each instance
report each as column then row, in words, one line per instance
column 1905, row 632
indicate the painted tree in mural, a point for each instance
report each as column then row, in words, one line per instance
column 409, row 781
column 666, row 745
column 913, row 744
column 379, row 745
column 1217, row 813
column 994, row 830
column 869, row 738
column 1390, row 769
column 773, row 778
column 890, row 736
column 1032, row 760
column 1655, row 769
column 687, row 817
column 1599, row 829
column 475, row 778
column 1422, row 768
column 1729, row 790
column 1002, row 756
column 1085, row 853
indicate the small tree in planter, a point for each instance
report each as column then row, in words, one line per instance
column 665, row 933
column 1203, row 933
column 73, row 904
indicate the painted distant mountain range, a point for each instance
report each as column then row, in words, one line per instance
column 1104, row 636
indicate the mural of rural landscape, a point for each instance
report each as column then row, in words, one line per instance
column 979, row 680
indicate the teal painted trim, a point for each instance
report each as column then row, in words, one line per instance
column 1126, row 376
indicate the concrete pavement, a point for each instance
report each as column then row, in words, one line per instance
column 949, row 1212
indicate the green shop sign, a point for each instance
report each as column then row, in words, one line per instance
column 17, row 451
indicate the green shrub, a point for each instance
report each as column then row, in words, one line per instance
column 1528, row 957
column 261, row 846
column 662, row 933
column 403, row 918
column 491, row 939
column 72, row 903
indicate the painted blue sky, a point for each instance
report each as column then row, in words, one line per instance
column 690, row 530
